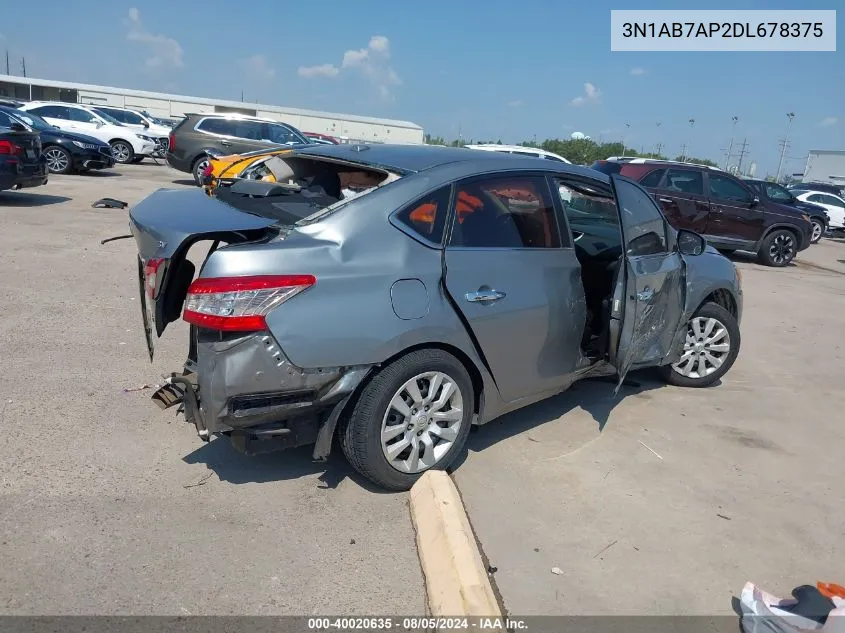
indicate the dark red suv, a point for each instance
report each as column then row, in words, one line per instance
column 719, row 206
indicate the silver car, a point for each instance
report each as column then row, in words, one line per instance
column 396, row 295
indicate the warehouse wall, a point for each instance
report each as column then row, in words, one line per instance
column 825, row 167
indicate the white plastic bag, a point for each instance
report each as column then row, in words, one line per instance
column 761, row 613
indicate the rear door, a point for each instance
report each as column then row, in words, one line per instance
column 680, row 194
column 233, row 136
column 648, row 301
column 735, row 218
column 513, row 276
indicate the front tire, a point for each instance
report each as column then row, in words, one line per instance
column 779, row 248
column 122, row 152
column 710, row 349
column 413, row 416
column 58, row 159
column 818, row 230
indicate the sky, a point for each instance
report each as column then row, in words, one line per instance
column 491, row 69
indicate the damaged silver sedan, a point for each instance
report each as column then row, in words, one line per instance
column 393, row 296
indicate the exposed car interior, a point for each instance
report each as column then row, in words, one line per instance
column 594, row 222
column 291, row 188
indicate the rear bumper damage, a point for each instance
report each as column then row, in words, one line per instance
column 244, row 387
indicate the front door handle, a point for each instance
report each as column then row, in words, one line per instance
column 645, row 295
column 225, row 143
column 484, row 295
column 665, row 199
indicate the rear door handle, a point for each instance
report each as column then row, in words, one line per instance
column 664, row 199
column 225, row 143
column 484, row 295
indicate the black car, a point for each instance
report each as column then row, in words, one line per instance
column 824, row 187
column 65, row 152
column 774, row 192
column 21, row 163
column 201, row 136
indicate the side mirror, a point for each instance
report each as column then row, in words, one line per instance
column 146, row 125
column 690, row 242
column 755, row 200
column 99, row 124
column 17, row 127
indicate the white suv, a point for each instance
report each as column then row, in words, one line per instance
column 127, row 145
column 141, row 123
column 536, row 152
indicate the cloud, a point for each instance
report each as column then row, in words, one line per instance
column 165, row 52
column 321, row 70
column 372, row 63
column 515, row 103
column 829, row 121
column 258, row 68
column 636, row 72
column 591, row 95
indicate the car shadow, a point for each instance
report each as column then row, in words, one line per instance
column 24, row 199
column 234, row 467
column 184, row 181
column 593, row 395
column 97, row 173
column 747, row 257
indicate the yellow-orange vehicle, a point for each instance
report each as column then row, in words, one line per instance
column 228, row 168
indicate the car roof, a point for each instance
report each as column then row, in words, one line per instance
column 417, row 158
column 655, row 161
column 234, row 116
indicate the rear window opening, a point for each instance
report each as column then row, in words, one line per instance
column 300, row 190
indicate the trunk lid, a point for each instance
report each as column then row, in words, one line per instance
column 165, row 225
column 28, row 141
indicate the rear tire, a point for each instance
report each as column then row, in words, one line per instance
column 710, row 350
column 197, row 168
column 413, row 415
column 779, row 248
column 122, row 152
column 818, row 230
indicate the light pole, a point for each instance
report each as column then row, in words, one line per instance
column 789, row 117
column 731, row 145
column 691, row 124
column 627, row 127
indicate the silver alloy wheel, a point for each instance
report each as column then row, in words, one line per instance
column 707, row 346
column 782, row 249
column 817, row 231
column 57, row 160
column 422, row 422
column 121, row 152
column 200, row 168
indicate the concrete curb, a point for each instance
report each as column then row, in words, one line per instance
column 455, row 577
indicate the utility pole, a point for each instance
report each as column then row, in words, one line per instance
column 784, row 144
column 23, row 65
column 7, row 62
column 658, row 148
column 742, row 153
column 731, row 146
column 684, row 153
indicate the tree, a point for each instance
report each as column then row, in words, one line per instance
column 693, row 159
column 434, row 140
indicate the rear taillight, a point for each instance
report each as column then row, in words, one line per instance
column 151, row 276
column 171, row 142
column 8, row 148
column 239, row 304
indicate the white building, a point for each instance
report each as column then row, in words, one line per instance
column 347, row 127
column 825, row 165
